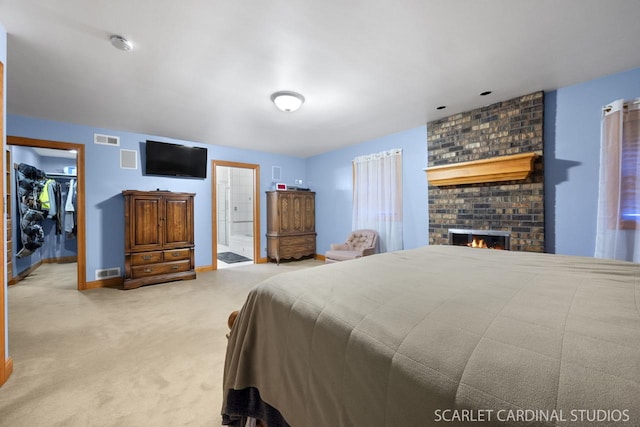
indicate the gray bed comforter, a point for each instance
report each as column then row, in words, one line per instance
column 441, row 335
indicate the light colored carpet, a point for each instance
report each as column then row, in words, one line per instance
column 151, row 356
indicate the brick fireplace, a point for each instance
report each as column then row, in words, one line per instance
column 513, row 206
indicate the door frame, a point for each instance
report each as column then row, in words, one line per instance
column 80, row 197
column 214, row 208
column 6, row 363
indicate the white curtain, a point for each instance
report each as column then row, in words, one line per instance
column 377, row 197
column 618, row 231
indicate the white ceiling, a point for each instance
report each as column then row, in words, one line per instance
column 204, row 70
column 52, row 152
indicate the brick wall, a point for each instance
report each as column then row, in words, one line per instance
column 500, row 129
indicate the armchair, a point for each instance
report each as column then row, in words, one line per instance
column 359, row 243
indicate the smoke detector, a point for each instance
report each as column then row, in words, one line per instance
column 121, row 43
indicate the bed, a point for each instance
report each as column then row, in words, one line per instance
column 439, row 335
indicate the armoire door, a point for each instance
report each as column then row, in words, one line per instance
column 177, row 221
column 285, row 212
column 145, row 223
column 309, row 213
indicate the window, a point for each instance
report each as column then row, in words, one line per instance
column 377, row 197
column 619, row 188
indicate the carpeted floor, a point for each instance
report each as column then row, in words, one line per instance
column 151, row 356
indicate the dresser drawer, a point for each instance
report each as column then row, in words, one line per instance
column 162, row 268
column 177, row 254
column 146, row 258
column 296, row 251
column 298, row 241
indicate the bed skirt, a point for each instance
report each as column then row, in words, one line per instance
column 246, row 403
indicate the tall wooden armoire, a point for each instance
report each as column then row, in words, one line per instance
column 291, row 224
column 159, row 243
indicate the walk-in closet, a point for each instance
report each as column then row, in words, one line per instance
column 43, row 211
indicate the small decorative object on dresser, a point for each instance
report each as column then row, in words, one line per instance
column 291, row 224
column 159, row 244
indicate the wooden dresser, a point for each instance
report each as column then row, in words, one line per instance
column 291, row 224
column 159, row 244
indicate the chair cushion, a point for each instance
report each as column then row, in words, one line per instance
column 339, row 247
column 361, row 240
column 342, row 255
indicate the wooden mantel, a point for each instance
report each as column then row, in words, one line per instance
column 503, row 168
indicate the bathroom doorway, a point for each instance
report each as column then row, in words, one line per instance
column 236, row 217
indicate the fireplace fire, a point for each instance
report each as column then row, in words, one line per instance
column 486, row 239
column 478, row 243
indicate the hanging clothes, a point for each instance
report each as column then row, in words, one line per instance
column 55, row 198
column 44, row 198
column 40, row 197
column 30, row 182
column 70, row 211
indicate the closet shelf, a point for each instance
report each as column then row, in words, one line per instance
column 59, row 175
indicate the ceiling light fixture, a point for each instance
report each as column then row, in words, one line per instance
column 442, row 107
column 287, row 101
column 485, row 93
column 121, row 43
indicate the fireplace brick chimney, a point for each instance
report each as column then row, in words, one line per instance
column 501, row 129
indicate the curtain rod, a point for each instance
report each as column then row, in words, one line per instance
column 386, row 153
column 608, row 108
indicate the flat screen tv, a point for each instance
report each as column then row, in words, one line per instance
column 163, row 158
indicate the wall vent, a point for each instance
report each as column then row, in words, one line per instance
column 276, row 173
column 106, row 139
column 107, row 273
column 128, row 159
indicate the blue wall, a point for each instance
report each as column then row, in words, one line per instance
column 572, row 156
column 330, row 176
column 105, row 181
column 572, row 135
column 572, row 152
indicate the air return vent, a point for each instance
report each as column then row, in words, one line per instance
column 128, row 159
column 106, row 139
column 107, row 273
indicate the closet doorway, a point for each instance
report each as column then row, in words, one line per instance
column 235, row 214
column 61, row 148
